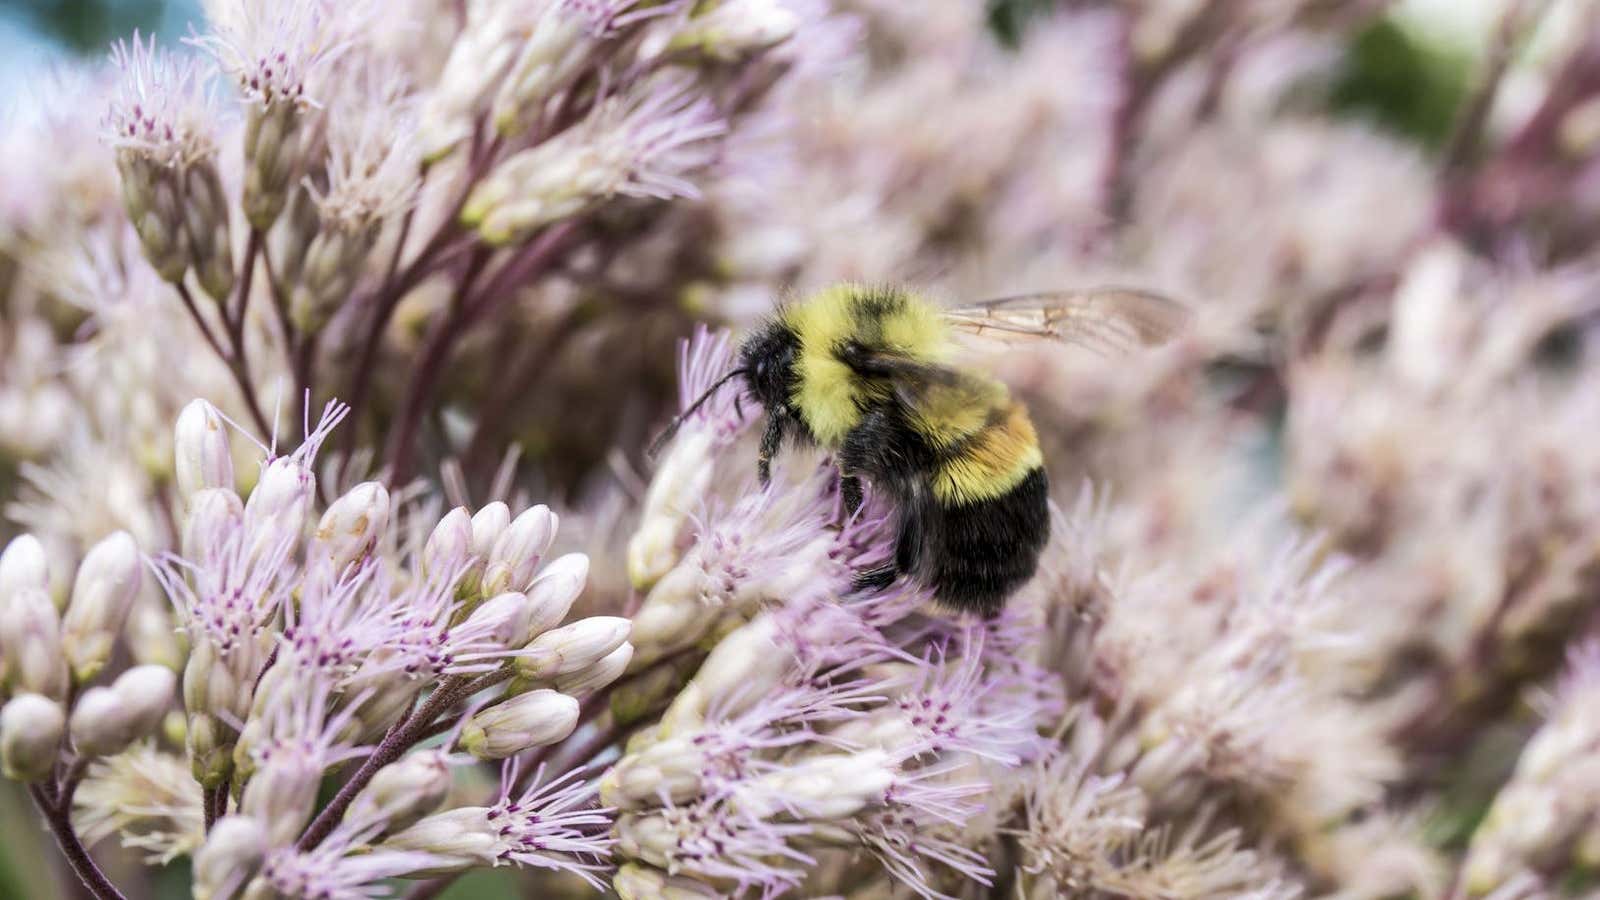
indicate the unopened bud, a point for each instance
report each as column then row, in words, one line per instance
column 107, row 583
column 502, row 620
column 682, row 478
column 486, row 527
column 152, row 637
column 835, row 786
column 210, row 745
column 403, row 792
column 30, row 736
column 23, row 565
column 552, row 593
column 30, row 642
column 449, row 545
column 284, row 491
column 647, row 836
column 282, row 793
column 293, row 236
column 533, row 719
column 745, row 665
column 638, row 882
column 734, row 29
column 150, row 196
column 589, row 679
column 214, row 513
column 107, row 720
column 516, row 553
column 672, row 616
column 669, row 769
column 203, row 456
column 333, row 261
column 272, row 152
column 556, row 51
column 279, row 505
column 573, row 647
column 352, row 525
column 463, row 834
column 233, row 851
column 205, row 213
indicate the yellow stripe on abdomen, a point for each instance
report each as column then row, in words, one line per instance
column 992, row 463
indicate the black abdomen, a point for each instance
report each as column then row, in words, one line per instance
column 989, row 548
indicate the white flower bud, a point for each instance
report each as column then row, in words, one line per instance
column 281, row 794
column 487, row 526
column 106, row 720
column 589, row 679
column 150, row 196
column 107, row 583
column 210, row 745
column 352, row 524
column 202, row 454
column 533, row 719
column 734, row 29
column 465, row 834
column 573, row 647
column 30, row 736
column 552, row 594
column 673, row 615
column 648, row 837
column 30, row 642
column 683, row 477
column 205, row 215
column 637, row 882
column 232, row 853
column 273, row 148
column 279, row 506
column 745, row 665
column 449, row 545
column 152, row 638
column 836, row 786
column 213, row 513
column 557, row 50
column 404, row 791
column 516, row 554
column 23, row 565
column 670, row 768
column 503, row 620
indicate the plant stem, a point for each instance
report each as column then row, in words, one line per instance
column 60, row 822
column 232, row 359
column 399, row 739
column 430, row 362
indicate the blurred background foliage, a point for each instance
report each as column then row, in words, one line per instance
column 1397, row 72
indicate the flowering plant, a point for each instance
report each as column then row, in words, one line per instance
column 302, row 315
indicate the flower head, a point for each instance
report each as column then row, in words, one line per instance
column 548, row 825
column 642, row 144
column 162, row 109
column 373, row 163
column 278, row 52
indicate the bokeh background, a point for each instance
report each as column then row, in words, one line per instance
column 1298, row 209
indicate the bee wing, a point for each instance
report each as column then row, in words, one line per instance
column 1107, row 319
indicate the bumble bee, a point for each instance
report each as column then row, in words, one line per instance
column 868, row 373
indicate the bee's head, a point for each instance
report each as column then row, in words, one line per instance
column 767, row 358
column 766, row 366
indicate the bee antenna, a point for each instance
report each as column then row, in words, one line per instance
column 672, row 427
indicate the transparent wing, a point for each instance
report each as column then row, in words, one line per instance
column 1107, row 319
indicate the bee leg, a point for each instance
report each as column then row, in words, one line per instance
column 877, row 578
column 850, row 488
column 771, row 440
